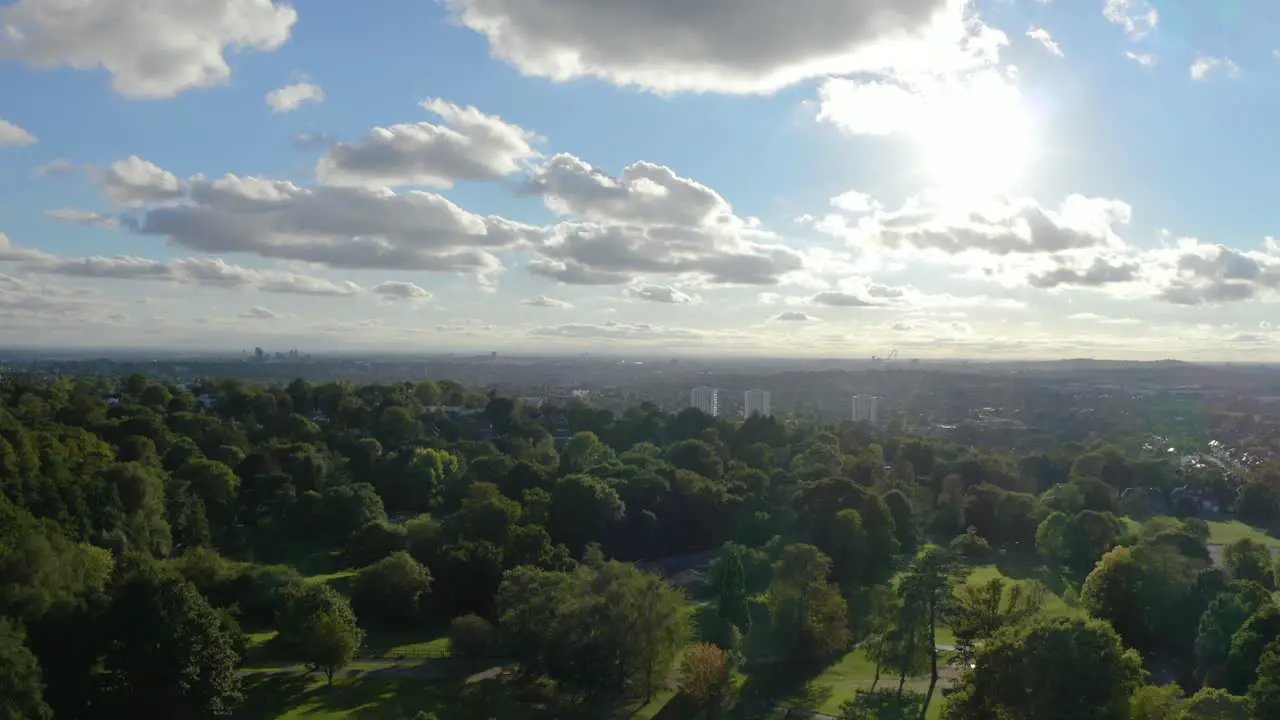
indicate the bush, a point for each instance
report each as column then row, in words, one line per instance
column 972, row 547
column 392, row 594
column 471, row 637
column 374, row 542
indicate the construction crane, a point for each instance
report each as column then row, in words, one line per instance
column 893, row 355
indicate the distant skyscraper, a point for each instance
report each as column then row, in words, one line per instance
column 756, row 402
column 864, row 408
column 706, row 399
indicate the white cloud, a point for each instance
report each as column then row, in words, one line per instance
column 1146, row 60
column 261, row 313
column 396, row 291
column 344, row 227
column 543, row 301
column 134, row 182
column 1205, row 65
column 11, row 135
column 794, row 316
column 1139, row 18
column 738, row 46
column 1043, row 37
column 151, row 48
column 644, row 194
column 1002, row 226
column 660, row 294
column 291, row 97
column 649, row 220
column 855, row 202
column 83, row 217
column 635, row 333
column 210, row 272
column 57, row 166
column 470, row 145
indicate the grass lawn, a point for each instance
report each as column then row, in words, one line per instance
column 367, row 694
column 1225, row 533
column 1054, row 605
column 823, row 690
column 405, row 645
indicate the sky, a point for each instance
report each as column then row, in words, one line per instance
column 834, row 178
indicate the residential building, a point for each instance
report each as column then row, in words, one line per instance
column 756, row 402
column 864, row 408
column 706, row 399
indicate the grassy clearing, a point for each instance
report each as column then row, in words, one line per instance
column 1225, row 533
column 372, row 694
column 822, row 690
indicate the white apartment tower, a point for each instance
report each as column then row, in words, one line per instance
column 706, row 399
column 864, row 408
column 756, row 402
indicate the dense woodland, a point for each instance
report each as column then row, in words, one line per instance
column 147, row 531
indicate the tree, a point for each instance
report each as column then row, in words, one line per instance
column 392, row 593
column 1223, row 618
column 332, row 640
column 20, row 687
column 980, row 611
column 470, row 638
column 582, row 507
column 927, row 589
column 732, row 583
column 807, row 611
column 706, row 676
column 1213, row 704
column 167, row 653
column 1018, row 674
column 905, row 524
column 1247, row 559
column 1248, row 646
column 1264, row 693
column 1154, row 702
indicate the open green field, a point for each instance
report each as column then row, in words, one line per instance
column 1225, row 533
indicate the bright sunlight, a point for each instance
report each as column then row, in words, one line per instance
column 977, row 138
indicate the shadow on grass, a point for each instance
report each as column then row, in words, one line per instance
column 789, row 684
column 399, row 694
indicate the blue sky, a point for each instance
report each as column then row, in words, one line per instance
column 992, row 178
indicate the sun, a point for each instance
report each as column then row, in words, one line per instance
column 976, row 139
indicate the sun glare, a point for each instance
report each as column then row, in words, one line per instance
column 976, row 140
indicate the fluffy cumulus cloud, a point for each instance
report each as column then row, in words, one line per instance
column 739, row 46
column 341, row 227
column 150, row 48
column 1197, row 273
column 1002, row 226
column 134, row 182
column 649, row 220
column 543, row 301
column 470, row 145
column 13, row 136
column 397, row 291
column 293, row 96
column 794, row 316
